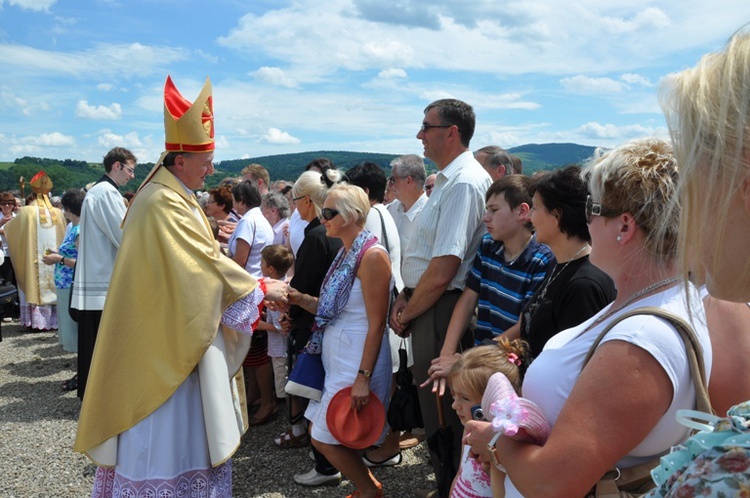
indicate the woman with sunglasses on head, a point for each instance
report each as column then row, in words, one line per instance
column 350, row 328
column 618, row 410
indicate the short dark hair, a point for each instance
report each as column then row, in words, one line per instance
column 247, row 192
column 279, row 256
column 223, row 197
column 117, row 155
column 563, row 193
column 456, row 112
column 170, row 158
column 515, row 190
column 72, row 200
column 369, row 177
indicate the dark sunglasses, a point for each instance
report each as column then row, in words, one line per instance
column 328, row 214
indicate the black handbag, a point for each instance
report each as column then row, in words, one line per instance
column 72, row 312
column 404, row 413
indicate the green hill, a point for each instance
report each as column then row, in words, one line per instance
column 537, row 157
column 70, row 173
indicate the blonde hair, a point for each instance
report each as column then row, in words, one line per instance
column 708, row 111
column 351, row 202
column 476, row 365
column 640, row 178
column 312, row 183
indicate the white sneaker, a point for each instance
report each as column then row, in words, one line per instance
column 313, row 478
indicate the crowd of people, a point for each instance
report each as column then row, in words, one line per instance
column 557, row 325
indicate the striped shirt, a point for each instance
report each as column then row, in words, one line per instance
column 504, row 288
column 450, row 223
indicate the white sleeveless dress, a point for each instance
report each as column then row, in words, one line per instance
column 343, row 344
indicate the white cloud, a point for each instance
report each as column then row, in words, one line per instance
column 274, row 76
column 86, row 111
column 585, row 84
column 107, row 59
column 278, row 137
column 504, row 139
column 36, row 5
column 105, row 87
column 392, row 73
column 610, row 131
column 502, row 38
column 649, row 18
column 636, row 79
column 108, row 139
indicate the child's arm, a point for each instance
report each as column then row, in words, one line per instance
column 266, row 326
column 497, row 478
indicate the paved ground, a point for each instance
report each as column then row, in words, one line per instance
column 38, row 425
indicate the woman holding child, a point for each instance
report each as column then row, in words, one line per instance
column 618, row 410
column 350, row 315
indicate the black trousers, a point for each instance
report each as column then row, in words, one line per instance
column 88, row 326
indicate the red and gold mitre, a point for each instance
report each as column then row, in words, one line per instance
column 188, row 127
column 41, row 183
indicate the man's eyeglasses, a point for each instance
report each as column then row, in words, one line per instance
column 596, row 209
column 7, row 203
column 392, row 179
column 128, row 168
column 426, row 127
column 328, row 214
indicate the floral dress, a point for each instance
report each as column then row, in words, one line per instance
column 68, row 250
column 67, row 329
column 712, row 463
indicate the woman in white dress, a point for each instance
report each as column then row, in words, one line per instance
column 351, row 323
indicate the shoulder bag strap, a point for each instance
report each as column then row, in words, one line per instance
column 692, row 347
column 382, row 229
column 638, row 478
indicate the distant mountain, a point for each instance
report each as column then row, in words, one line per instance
column 537, row 157
column 76, row 174
column 289, row 166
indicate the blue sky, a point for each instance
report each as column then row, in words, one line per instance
column 80, row 77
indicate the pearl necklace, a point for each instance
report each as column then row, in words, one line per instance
column 640, row 293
